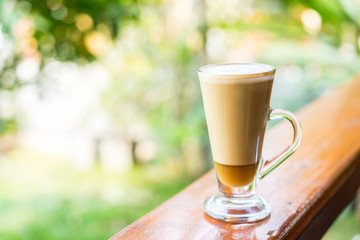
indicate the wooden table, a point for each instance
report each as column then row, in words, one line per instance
column 307, row 192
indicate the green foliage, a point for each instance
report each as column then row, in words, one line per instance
column 345, row 227
column 69, row 205
column 7, row 126
column 61, row 26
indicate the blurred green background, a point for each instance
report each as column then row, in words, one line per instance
column 101, row 118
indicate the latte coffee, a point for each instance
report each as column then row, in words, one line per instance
column 236, row 101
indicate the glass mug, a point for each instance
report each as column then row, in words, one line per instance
column 236, row 99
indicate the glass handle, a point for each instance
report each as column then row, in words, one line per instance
column 280, row 158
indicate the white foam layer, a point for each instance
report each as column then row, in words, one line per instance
column 234, row 79
column 236, row 69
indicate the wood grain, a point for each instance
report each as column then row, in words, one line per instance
column 306, row 192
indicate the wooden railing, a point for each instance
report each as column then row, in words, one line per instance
column 307, row 192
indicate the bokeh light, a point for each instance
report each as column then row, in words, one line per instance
column 311, row 20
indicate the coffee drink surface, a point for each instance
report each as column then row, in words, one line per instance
column 236, row 102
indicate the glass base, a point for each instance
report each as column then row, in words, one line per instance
column 240, row 209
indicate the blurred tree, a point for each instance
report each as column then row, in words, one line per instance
column 66, row 30
column 63, row 29
column 153, row 48
column 336, row 18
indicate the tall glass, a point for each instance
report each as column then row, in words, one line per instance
column 236, row 99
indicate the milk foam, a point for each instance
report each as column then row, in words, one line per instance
column 232, row 73
column 237, row 69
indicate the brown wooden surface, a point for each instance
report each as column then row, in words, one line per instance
column 306, row 192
